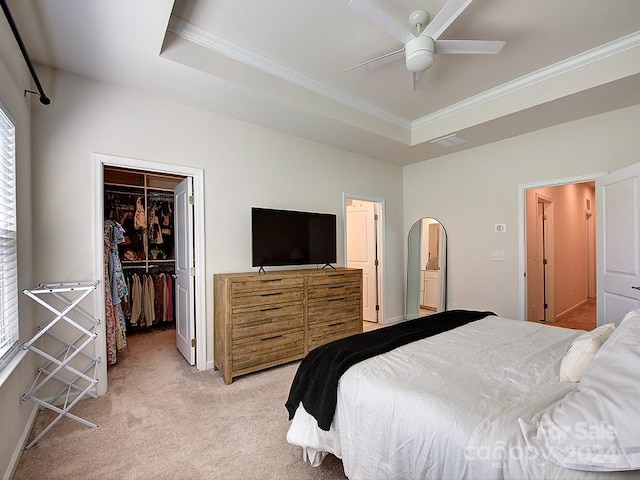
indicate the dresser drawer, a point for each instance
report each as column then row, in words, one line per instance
column 325, row 333
column 250, row 286
column 266, row 299
column 320, row 288
column 266, row 349
column 332, row 310
column 271, row 321
column 333, row 278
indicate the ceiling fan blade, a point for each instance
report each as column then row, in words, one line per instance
column 379, row 61
column 469, row 46
column 381, row 18
column 417, row 80
column 445, row 17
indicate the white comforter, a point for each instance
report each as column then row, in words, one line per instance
column 446, row 406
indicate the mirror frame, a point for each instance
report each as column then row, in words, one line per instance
column 418, row 278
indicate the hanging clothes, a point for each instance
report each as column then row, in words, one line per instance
column 160, row 227
column 165, row 292
column 169, row 298
column 141, row 296
column 115, row 291
column 136, row 300
column 158, row 291
column 149, row 298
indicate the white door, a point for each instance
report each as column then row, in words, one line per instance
column 184, row 288
column 617, row 243
column 361, row 252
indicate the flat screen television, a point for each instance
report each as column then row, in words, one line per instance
column 286, row 237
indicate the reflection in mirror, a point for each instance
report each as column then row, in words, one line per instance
column 426, row 269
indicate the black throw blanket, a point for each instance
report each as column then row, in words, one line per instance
column 316, row 381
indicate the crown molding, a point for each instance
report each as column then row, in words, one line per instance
column 594, row 55
column 220, row 45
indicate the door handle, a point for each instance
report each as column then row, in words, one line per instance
column 636, row 288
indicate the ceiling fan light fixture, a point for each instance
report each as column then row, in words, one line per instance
column 419, row 53
column 419, row 18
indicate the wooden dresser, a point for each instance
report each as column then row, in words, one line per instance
column 263, row 320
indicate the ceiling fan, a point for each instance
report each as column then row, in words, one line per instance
column 419, row 48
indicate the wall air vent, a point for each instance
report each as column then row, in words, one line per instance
column 449, row 141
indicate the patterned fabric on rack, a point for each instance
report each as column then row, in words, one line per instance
column 118, row 284
column 115, row 290
column 110, row 317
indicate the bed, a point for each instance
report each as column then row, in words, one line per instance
column 485, row 400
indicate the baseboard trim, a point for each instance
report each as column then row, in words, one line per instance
column 561, row 315
column 15, row 458
column 391, row 321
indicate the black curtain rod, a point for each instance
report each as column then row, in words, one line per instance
column 7, row 13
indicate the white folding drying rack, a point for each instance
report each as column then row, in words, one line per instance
column 63, row 300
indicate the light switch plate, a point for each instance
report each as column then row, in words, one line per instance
column 497, row 256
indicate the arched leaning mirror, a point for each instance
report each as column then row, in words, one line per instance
column 426, row 269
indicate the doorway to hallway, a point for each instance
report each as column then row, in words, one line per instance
column 560, row 252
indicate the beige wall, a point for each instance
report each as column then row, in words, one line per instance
column 15, row 413
column 471, row 191
column 243, row 165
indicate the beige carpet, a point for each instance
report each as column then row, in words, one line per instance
column 162, row 419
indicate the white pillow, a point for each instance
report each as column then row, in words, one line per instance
column 604, row 331
column 582, row 351
column 596, row 426
column 579, row 356
column 632, row 314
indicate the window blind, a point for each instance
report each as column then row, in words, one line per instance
column 8, row 242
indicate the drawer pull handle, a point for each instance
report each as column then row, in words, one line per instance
column 268, row 309
column 270, row 294
column 270, row 338
column 635, row 287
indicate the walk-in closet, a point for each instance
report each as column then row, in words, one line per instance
column 139, row 254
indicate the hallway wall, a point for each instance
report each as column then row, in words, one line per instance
column 571, row 252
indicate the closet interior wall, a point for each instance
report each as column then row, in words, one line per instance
column 139, row 253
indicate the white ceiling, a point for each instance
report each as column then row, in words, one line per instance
column 280, row 64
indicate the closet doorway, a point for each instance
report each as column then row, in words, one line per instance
column 161, row 245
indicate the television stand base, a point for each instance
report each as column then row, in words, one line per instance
column 328, row 265
column 261, row 270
